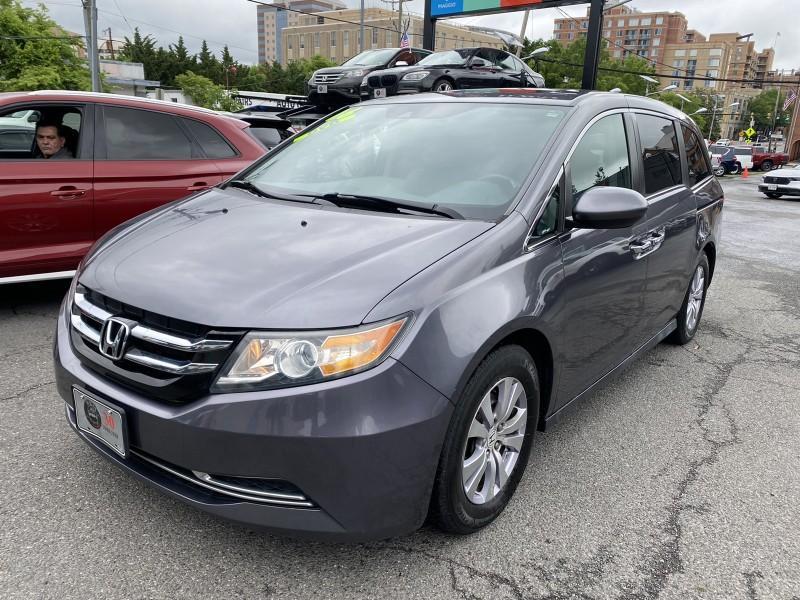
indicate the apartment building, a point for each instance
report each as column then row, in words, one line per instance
column 273, row 18
column 335, row 35
column 628, row 31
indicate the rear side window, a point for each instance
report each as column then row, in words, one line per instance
column 267, row 136
column 133, row 134
column 698, row 166
column 660, row 155
column 601, row 157
column 212, row 143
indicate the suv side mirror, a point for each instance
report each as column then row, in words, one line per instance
column 608, row 208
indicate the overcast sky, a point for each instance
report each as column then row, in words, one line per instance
column 234, row 22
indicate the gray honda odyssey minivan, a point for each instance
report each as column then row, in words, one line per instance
column 366, row 327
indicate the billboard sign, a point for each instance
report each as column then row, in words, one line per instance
column 453, row 8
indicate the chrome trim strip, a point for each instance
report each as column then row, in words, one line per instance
column 164, row 364
column 92, row 310
column 220, row 490
column 175, row 342
column 37, row 277
column 210, row 480
column 79, row 325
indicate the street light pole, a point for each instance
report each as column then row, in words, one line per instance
column 775, row 112
column 90, row 23
column 361, row 31
column 522, row 31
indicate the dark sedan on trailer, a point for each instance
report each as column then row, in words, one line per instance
column 371, row 322
column 466, row 68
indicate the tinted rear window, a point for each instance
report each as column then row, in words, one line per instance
column 133, row 134
column 212, row 143
column 267, row 136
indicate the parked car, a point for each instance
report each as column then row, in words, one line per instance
column 766, row 161
column 268, row 128
column 726, row 157
column 723, row 142
column 376, row 318
column 338, row 86
column 467, row 68
column 130, row 155
column 744, row 154
column 783, row 183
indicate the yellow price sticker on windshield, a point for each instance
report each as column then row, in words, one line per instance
column 342, row 117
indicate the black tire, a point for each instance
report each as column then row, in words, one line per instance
column 719, row 171
column 442, row 81
column 772, row 195
column 766, row 165
column 684, row 333
column 451, row 510
column 735, row 170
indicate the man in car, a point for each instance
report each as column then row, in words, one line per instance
column 51, row 139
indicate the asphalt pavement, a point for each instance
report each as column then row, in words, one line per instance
column 679, row 480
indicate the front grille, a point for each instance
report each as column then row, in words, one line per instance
column 778, row 180
column 172, row 360
column 388, row 80
column 327, row 77
column 374, row 81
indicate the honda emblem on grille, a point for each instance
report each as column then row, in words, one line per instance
column 113, row 338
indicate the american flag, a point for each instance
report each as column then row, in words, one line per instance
column 791, row 98
column 404, row 40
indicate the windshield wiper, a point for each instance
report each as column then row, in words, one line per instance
column 381, row 203
column 264, row 192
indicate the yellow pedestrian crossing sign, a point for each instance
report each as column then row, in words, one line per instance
column 750, row 132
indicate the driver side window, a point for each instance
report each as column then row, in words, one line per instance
column 18, row 129
column 601, row 157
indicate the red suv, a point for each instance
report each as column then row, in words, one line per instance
column 123, row 156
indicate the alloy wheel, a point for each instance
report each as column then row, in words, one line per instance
column 696, row 291
column 444, row 86
column 494, row 440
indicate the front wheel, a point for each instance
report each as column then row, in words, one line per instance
column 443, row 85
column 719, row 171
column 694, row 301
column 766, row 165
column 772, row 195
column 735, row 169
column 488, row 442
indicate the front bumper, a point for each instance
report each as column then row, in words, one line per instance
column 364, row 449
column 786, row 190
column 338, row 93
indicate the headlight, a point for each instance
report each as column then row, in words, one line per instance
column 356, row 73
column 269, row 360
column 416, row 76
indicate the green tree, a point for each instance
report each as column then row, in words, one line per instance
column 207, row 64
column 763, row 106
column 42, row 55
column 205, row 92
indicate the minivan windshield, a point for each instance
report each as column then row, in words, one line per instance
column 371, row 58
column 470, row 158
column 446, row 57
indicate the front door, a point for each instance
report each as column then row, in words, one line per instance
column 604, row 281
column 46, row 203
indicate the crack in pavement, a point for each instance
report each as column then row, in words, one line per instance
column 26, row 390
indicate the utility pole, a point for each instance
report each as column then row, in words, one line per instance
column 90, row 22
column 775, row 112
column 361, row 32
column 522, row 31
column 110, row 44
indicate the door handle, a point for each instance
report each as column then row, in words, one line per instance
column 648, row 243
column 197, row 186
column 68, row 192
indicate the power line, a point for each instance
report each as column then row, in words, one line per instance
column 123, row 16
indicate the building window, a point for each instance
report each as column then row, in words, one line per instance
column 346, row 38
column 333, row 39
column 289, row 39
column 557, row 26
column 316, row 40
column 687, row 85
column 645, row 22
column 659, row 31
column 677, row 63
column 680, row 52
column 633, row 23
column 302, row 42
column 713, row 62
column 653, row 52
column 570, row 35
column 571, row 25
column 693, row 52
column 558, row 36
column 659, row 20
column 374, row 37
column 584, row 24
column 657, row 42
column 620, row 33
column 715, row 52
column 320, row 20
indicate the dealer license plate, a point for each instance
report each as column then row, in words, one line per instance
column 101, row 420
column 772, row 187
column 322, row 89
column 380, row 92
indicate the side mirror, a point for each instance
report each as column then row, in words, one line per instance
column 478, row 63
column 608, row 208
column 401, row 63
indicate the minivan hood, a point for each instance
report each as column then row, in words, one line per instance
column 227, row 258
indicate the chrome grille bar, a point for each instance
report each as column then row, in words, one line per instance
column 89, row 309
column 176, row 342
column 168, row 365
column 236, row 488
column 79, row 325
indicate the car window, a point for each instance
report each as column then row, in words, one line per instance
column 698, row 166
column 429, row 153
column 20, row 140
column 490, row 55
column 268, row 137
column 19, row 130
column 548, row 221
column 212, row 143
column 601, row 157
column 409, row 57
column 509, row 63
column 519, row 65
column 660, row 154
column 446, row 57
column 744, row 151
column 133, row 134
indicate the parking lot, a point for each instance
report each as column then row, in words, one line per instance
column 681, row 479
